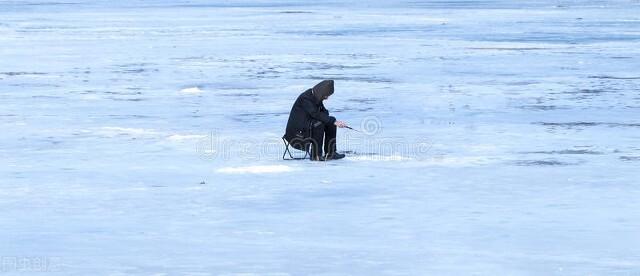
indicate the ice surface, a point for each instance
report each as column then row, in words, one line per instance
column 256, row 169
column 143, row 137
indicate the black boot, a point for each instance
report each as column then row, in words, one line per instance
column 334, row 156
column 318, row 158
column 316, row 153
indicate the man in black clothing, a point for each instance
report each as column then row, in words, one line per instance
column 310, row 125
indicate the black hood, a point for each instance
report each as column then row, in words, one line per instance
column 323, row 90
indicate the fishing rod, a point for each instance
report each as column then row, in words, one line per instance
column 352, row 128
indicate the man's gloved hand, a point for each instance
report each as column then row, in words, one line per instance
column 340, row 124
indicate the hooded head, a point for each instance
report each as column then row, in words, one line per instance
column 323, row 90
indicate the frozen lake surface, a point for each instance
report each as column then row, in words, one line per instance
column 143, row 138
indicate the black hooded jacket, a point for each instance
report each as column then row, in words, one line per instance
column 308, row 110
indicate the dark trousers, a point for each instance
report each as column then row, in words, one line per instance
column 323, row 136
